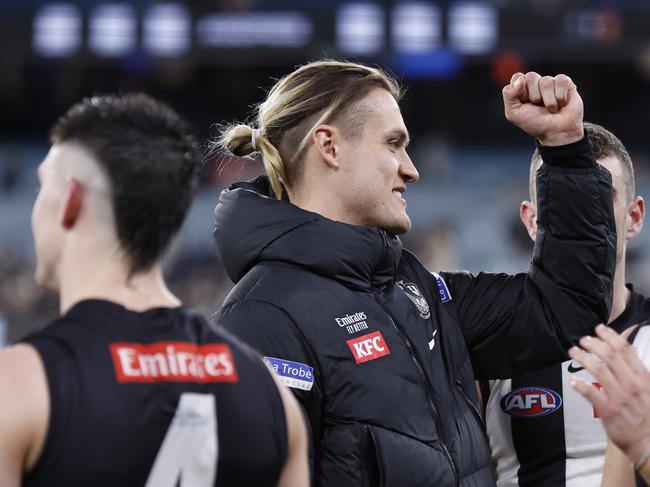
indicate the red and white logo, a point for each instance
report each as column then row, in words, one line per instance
column 173, row 362
column 368, row 347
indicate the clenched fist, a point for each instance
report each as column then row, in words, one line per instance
column 546, row 107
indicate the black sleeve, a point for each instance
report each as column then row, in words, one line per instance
column 513, row 324
column 271, row 331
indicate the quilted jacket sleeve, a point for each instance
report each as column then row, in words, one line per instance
column 516, row 323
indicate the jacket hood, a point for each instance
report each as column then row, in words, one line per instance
column 252, row 227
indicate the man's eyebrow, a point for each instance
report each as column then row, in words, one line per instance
column 400, row 134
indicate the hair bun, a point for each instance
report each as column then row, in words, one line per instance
column 237, row 140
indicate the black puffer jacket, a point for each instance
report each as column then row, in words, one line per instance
column 395, row 349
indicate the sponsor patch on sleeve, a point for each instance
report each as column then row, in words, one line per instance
column 443, row 290
column 292, row 374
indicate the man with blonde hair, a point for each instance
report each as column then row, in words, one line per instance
column 381, row 352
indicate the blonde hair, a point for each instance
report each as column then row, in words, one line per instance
column 317, row 93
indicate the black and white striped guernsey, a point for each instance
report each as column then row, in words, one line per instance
column 542, row 432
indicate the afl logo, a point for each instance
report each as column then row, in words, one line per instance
column 531, row 402
column 413, row 293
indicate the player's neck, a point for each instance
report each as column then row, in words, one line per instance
column 326, row 203
column 621, row 293
column 110, row 280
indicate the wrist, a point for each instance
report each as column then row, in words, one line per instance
column 640, row 456
column 562, row 138
column 644, row 470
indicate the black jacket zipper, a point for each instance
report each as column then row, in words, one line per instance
column 373, row 472
column 432, row 405
column 479, row 420
column 475, row 412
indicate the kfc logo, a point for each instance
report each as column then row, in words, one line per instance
column 368, row 347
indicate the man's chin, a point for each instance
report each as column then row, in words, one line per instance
column 399, row 227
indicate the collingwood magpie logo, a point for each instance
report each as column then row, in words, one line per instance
column 413, row 293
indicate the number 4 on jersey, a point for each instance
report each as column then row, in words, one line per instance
column 189, row 449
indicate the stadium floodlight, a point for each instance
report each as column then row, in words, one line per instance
column 166, row 29
column 251, row 29
column 416, row 28
column 473, row 27
column 112, row 30
column 360, row 28
column 57, row 30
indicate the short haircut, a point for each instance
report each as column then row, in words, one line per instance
column 604, row 144
column 152, row 162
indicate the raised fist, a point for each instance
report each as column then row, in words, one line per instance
column 546, row 107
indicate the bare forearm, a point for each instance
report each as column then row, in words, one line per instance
column 618, row 470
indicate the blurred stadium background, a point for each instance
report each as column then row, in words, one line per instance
column 213, row 59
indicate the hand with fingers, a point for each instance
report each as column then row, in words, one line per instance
column 546, row 107
column 623, row 401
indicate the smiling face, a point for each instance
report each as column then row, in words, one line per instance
column 375, row 166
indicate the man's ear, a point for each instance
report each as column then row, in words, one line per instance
column 73, row 201
column 528, row 215
column 635, row 216
column 326, row 138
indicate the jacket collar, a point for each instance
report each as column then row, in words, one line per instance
column 252, row 227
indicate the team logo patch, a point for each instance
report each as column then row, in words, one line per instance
column 173, row 362
column 368, row 347
column 292, row 374
column 531, row 402
column 413, row 293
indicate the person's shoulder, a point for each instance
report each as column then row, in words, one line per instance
column 639, row 312
column 411, row 267
column 25, row 408
column 242, row 354
column 411, row 264
column 409, row 259
column 219, row 334
column 276, row 284
column 54, row 329
column 74, row 321
column 18, row 361
column 640, row 302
